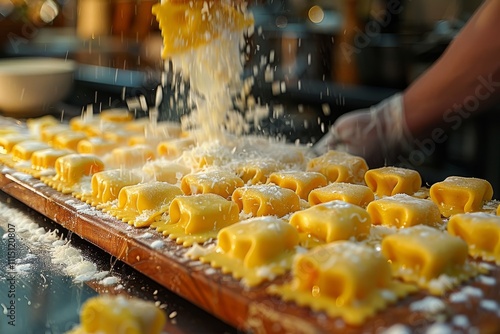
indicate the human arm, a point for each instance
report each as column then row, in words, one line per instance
column 464, row 80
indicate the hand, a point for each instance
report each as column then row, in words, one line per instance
column 377, row 134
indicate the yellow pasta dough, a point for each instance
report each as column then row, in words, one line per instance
column 343, row 279
column 348, row 192
column 403, row 210
column 107, row 314
column 255, row 249
column 141, row 204
column 165, row 171
column 266, row 200
column 339, row 167
column 257, row 171
column 95, row 145
column 68, row 140
column 331, row 221
column 71, row 168
column 300, row 182
column 218, row 182
column 8, row 141
column 173, row 148
column 106, row 185
column 24, row 150
column 387, row 181
column 481, row 231
column 198, row 218
column 460, row 194
column 130, row 156
column 434, row 260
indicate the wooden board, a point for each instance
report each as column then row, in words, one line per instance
column 221, row 295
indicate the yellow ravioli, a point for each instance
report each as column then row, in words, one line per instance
column 218, row 182
column 266, row 200
column 257, row 171
column 331, row 221
column 173, row 148
column 143, row 203
column 300, row 182
column 130, row 156
column 95, row 145
column 356, row 194
column 48, row 132
column 116, row 115
column 343, row 279
column 339, row 167
column 387, row 181
column 165, row 171
column 24, row 150
column 68, row 140
column 43, row 162
column 403, row 210
column 481, row 231
column 108, row 314
column 254, row 250
column 71, row 168
column 197, row 218
column 434, row 260
column 8, row 141
column 106, row 185
column 460, row 194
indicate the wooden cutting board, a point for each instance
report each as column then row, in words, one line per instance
column 246, row 309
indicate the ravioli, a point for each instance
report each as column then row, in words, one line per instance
column 218, row 182
column 343, row 279
column 106, row 185
column 173, row 148
column 339, row 167
column 481, row 232
column 254, row 250
column 8, row 141
column 128, row 157
column 266, row 200
column 43, row 162
column 388, row 181
column 458, row 194
column 165, row 171
column 434, row 260
column 197, row 218
column 95, row 145
column 68, row 140
column 356, row 194
column 108, row 314
column 300, row 182
column 331, row 221
column 257, row 171
column 141, row 204
column 70, row 169
column 403, row 210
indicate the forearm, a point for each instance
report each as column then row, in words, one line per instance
column 464, row 80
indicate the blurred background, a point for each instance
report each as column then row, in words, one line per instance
column 312, row 60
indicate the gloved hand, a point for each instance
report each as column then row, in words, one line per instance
column 377, row 134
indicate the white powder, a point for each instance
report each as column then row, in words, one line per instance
column 439, row 328
column 397, row 329
column 428, row 305
column 461, row 320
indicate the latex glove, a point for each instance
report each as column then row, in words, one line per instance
column 377, row 134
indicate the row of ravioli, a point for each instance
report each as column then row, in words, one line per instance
column 258, row 216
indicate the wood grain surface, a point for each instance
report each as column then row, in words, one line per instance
column 249, row 310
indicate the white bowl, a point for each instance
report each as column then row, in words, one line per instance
column 29, row 86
